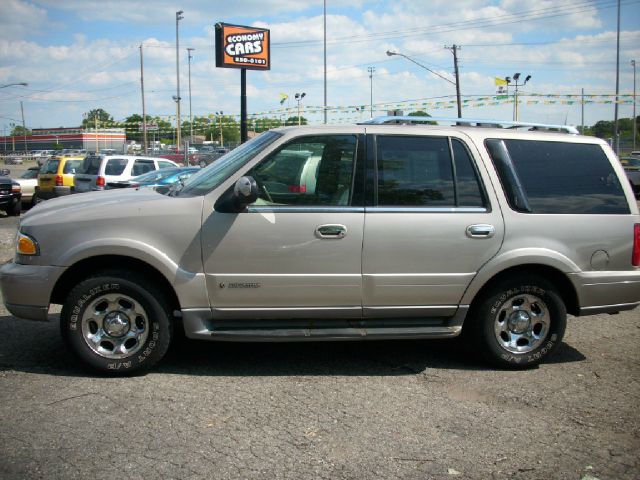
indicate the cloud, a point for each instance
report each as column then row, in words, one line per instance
column 80, row 69
column 19, row 18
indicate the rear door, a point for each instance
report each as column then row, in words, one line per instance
column 432, row 226
column 85, row 179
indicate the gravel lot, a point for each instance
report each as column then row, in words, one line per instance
column 416, row 409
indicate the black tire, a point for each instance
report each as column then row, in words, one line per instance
column 35, row 200
column 529, row 334
column 117, row 323
column 15, row 209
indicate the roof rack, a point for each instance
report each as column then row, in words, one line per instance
column 470, row 122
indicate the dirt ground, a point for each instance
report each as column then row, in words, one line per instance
column 404, row 409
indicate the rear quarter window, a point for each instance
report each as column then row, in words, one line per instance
column 560, row 177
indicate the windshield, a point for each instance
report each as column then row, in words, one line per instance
column 212, row 176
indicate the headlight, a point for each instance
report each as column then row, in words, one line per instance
column 25, row 245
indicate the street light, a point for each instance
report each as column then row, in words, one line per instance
column 219, row 115
column 390, row 54
column 177, row 97
column 23, row 84
column 516, row 77
column 189, row 50
column 299, row 97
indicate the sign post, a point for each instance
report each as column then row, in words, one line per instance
column 246, row 48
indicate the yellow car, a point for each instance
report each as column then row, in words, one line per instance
column 56, row 177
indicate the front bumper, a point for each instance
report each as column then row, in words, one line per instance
column 26, row 289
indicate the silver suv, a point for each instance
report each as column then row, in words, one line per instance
column 371, row 231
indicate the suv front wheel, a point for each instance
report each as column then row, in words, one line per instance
column 116, row 323
column 519, row 322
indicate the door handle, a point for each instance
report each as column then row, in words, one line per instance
column 334, row 231
column 481, row 230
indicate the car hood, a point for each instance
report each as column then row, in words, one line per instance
column 97, row 205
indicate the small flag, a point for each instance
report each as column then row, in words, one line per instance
column 283, row 98
column 500, row 81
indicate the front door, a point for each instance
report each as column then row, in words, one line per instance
column 296, row 252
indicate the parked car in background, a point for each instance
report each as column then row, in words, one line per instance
column 632, row 169
column 162, row 177
column 99, row 170
column 28, row 182
column 10, row 196
column 56, row 177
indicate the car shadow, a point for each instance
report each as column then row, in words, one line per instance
column 37, row 347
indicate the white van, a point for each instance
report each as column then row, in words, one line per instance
column 97, row 171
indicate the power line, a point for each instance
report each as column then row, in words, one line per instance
column 526, row 15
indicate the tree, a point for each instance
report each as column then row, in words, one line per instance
column 20, row 131
column 260, row 125
column 294, row 121
column 133, row 127
column 102, row 117
column 421, row 113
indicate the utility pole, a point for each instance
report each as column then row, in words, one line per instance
column 635, row 126
column 325, row 60
column 189, row 50
column 454, row 49
column 144, row 112
column 24, row 128
column 178, row 18
column 371, row 70
column 582, row 112
column 616, row 138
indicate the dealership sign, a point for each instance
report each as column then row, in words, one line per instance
column 243, row 47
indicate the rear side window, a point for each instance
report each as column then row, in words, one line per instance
column 51, row 166
column 426, row 172
column 559, row 177
column 72, row 166
column 115, row 166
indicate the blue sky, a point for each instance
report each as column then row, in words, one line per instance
column 78, row 55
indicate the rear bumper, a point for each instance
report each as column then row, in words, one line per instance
column 56, row 192
column 26, row 289
column 607, row 292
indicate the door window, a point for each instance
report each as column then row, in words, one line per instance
column 426, row 172
column 314, row 170
column 115, row 166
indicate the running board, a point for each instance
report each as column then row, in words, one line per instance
column 321, row 334
column 200, row 324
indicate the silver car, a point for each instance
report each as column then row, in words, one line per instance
column 355, row 232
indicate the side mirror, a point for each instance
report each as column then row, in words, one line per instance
column 244, row 193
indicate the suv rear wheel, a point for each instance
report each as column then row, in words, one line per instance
column 519, row 322
column 116, row 323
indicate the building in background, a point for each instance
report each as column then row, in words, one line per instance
column 54, row 138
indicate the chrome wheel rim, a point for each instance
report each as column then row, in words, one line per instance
column 522, row 324
column 115, row 326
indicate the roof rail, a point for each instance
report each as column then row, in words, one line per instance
column 470, row 122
